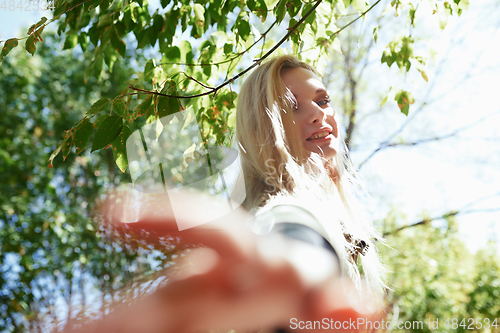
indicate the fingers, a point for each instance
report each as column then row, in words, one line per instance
column 152, row 216
column 230, row 299
column 339, row 306
column 212, row 294
column 152, row 314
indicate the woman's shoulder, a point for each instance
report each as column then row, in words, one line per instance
column 327, row 216
column 303, row 208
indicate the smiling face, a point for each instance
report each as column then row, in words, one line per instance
column 315, row 117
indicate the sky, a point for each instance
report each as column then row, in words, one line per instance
column 461, row 172
column 443, row 175
column 12, row 21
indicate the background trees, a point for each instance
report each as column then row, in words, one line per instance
column 433, row 172
column 55, row 262
column 187, row 48
column 222, row 33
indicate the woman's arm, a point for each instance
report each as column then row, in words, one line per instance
column 236, row 281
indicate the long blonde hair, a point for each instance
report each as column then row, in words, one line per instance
column 275, row 164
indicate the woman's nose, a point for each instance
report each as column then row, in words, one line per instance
column 319, row 114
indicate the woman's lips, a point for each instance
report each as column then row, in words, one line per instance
column 328, row 137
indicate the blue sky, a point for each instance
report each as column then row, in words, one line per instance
column 12, row 21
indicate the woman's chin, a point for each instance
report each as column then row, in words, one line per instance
column 327, row 153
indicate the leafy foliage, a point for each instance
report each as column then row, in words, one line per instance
column 226, row 32
column 435, row 277
column 52, row 250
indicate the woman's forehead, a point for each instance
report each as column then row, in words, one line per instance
column 302, row 82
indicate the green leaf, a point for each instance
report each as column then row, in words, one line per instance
column 443, row 19
column 159, row 128
column 107, row 132
column 105, row 35
column 359, row 5
column 262, row 10
column 152, row 36
column 293, row 7
column 280, row 10
column 98, row 106
column 243, row 28
column 88, row 72
column 120, row 148
column 259, row 8
column 404, row 99
column 104, row 20
column 93, row 34
column 199, row 20
column 186, row 52
column 149, row 70
column 66, row 145
column 231, row 119
column 168, row 105
column 347, row 3
column 42, row 21
column 463, row 5
column 37, row 25
column 424, row 74
column 384, row 100
column 71, row 41
column 151, row 112
column 228, row 48
column 172, row 53
column 231, row 68
column 30, row 45
column 110, row 56
column 97, row 65
column 60, row 9
column 143, row 107
column 118, row 44
column 82, row 135
column 99, row 121
column 83, row 41
column 119, row 107
column 158, row 24
column 8, row 46
column 121, row 28
column 134, row 13
column 312, row 17
column 375, row 34
column 142, row 38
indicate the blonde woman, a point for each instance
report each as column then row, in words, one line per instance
column 300, row 273
column 292, row 154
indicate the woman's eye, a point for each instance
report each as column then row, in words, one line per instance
column 323, row 102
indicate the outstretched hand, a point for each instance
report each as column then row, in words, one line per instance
column 237, row 280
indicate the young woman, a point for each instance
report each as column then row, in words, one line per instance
column 292, row 154
column 299, row 197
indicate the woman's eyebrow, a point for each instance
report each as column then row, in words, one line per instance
column 321, row 90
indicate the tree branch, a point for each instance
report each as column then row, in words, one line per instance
column 444, row 216
column 385, row 145
column 239, row 54
column 258, row 61
column 426, row 102
column 51, row 20
column 357, row 18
